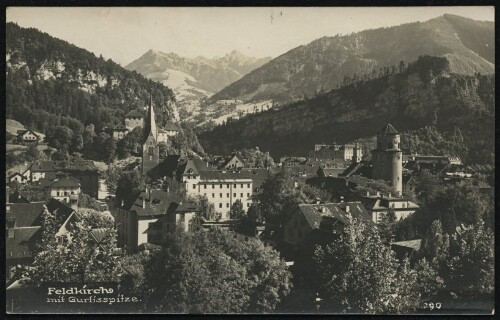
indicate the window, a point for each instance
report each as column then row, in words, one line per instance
column 241, row 195
column 204, row 186
column 220, row 205
column 227, row 205
column 234, row 195
column 194, row 186
column 220, row 195
column 248, row 205
column 205, row 194
column 221, row 185
column 227, row 195
column 213, row 195
column 57, row 193
column 248, row 194
column 235, row 185
column 242, row 185
column 228, row 185
column 248, row 185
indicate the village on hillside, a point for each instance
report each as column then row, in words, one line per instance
column 116, row 204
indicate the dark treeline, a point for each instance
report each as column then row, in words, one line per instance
column 51, row 82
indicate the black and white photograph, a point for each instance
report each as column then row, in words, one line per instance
column 250, row 160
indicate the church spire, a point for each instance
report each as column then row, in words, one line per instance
column 150, row 124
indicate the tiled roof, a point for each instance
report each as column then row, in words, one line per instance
column 135, row 113
column 54, row 166
column 61, row 210
column 156, row 203
column 225, row 175
column 171, row 126
column 388, row 129
column 26, row 214
column 20, row 245
column 66, row 182
column 412, row 244
column 99, row 234
column 314, row 212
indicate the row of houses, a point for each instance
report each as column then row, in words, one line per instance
column 43, row 172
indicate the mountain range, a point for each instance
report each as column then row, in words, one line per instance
column 327, row 62
column 198, row 76
column 423, row 93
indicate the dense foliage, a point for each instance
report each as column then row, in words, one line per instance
column 45, row 77
column 213, row 272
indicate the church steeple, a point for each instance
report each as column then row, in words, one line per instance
column 150, row 123
column 150, row 149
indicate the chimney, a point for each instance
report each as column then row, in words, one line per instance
column 168, row 189
column 341, row 199
column 367, row 193
column 378, row 193
column 296, row 184
column 143, row 203
column 318, row 201
column 347, row 208
column 390, row 194
column 323, row 210
column 7, row 194
column 123, row 202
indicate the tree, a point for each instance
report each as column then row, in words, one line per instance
column 76, row 255
column 471, row 261
column 358, row 272
column 213, row 272
column 428, row 280
column 279, row 198
column 32, row 153
column 60, row 138
column 130, row 144
column 128, row 185
column 236, row 212
column 86, row 201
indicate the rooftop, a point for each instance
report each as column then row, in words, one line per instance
column 412, row 244
column 156, row 202
column 388, row 129
column 135, row 113
column 66, row 182
column 26, row 214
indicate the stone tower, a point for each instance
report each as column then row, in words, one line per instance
column 150, row 148
column 387, row 158
column 357, row 153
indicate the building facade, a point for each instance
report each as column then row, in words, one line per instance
column 378, row 205
column 134, row 119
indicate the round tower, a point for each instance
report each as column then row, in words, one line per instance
column 387, row 158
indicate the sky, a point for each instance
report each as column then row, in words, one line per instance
column 124, row 34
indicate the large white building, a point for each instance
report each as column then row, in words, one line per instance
column 222, row 188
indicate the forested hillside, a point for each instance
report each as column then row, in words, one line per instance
column 51, row 82
column 459, row 108
column 329, row 62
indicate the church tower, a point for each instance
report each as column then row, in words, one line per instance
column 150, row 148
column 387, row 158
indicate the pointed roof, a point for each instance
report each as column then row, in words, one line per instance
column 150, row 123
column 388, row 129
column 134, row 113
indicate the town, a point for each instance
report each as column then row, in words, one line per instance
column 363, row 194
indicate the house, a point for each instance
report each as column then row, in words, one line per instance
column 134, row 119
column 135, row 218
column 407, row 248
column 234, row 163
column 65, row 189
column 179, row 216
column 27, row 135
column 23, row 229
column 222, row 188
column 378, row 205
column 85, row 171
column 16, row 176
column 331, row 217
column 171, row 128
column 119, row 132
column 337, row 151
